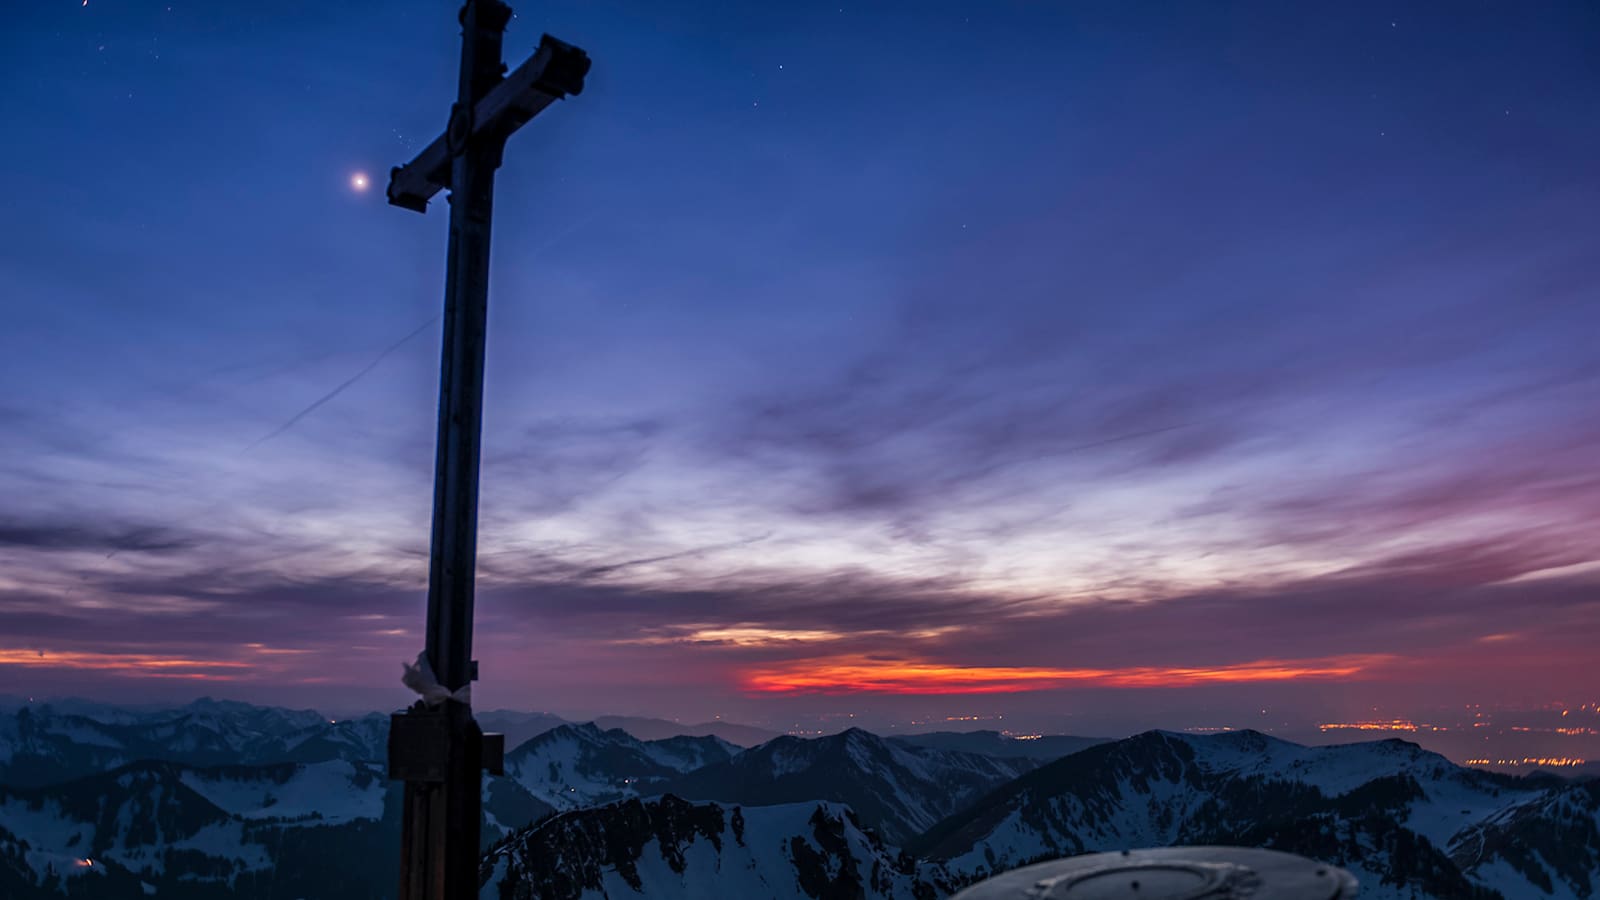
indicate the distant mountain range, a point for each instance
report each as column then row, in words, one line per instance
column 232, row 800
column 44, row 744
column 518, row 727
column 897, row 788
column 646, row 729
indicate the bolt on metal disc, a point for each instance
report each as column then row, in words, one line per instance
column 1171, row 873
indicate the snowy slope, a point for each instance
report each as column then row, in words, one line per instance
column 239, row 830
column 572, row 766
column 332, row 792
column 38, row 745
column 225, row 831
column 363, row 739
column 667, row 849
column 1388, row 810
column 685, row 753
column 1551, row 843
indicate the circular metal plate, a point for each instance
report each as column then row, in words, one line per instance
column 1171, row 873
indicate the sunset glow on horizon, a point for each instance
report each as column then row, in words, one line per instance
column 864, row 675
column 131, row 665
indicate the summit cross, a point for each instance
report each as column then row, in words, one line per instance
column 436, row 747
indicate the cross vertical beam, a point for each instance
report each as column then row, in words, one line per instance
column 453, row 555
column 436, row 747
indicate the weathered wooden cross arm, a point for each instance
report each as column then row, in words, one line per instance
column 554, row 72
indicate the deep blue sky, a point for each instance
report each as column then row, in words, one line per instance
column 1110, row 355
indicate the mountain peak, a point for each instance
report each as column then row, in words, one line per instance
column 585, row 732
column 895, row 788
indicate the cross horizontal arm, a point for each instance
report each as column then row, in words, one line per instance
column 555, row 71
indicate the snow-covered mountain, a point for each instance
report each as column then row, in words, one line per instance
column 1551, row 843
column 1407, row 822
column 572, row 766
column 584, row 811
column 281, row 829
column 671, row 849
column 897, row 788
column 44, row 744
column 685, row 753
column 169, row 829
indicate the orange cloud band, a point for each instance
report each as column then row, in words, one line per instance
column 859, row 675
column 146, row 665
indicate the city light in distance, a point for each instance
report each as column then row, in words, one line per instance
column 1391, row 725
column 1552, row 762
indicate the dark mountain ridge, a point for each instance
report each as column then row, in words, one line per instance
column 40, row 744
column 896, row 788
column 650, row 729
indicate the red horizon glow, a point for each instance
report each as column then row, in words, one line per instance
column 143, row 665
column 862, row 675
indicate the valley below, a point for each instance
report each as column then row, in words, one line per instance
column 221, row 799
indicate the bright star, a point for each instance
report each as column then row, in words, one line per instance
column 359, row 182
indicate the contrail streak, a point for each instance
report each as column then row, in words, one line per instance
column 596, row 571
column 347, row 383
column 538, row 248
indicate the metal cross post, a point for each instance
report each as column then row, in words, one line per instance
column 436, row 746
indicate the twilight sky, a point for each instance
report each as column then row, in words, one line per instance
column 907, row 358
